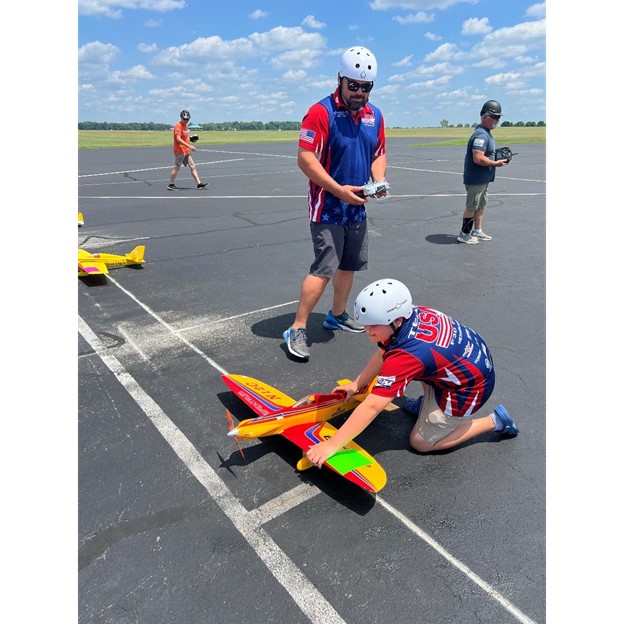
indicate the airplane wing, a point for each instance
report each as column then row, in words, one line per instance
column 351, row 461
column 88, row 265
column 263, row 399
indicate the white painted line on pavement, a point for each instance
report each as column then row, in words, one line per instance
column 301, row 590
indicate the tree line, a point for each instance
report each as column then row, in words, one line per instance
column 206, row 127
column 505, row 124
column 253, row 125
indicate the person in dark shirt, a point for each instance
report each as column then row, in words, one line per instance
column 479, row 171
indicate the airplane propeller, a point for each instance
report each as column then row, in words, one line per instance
column 233, row 431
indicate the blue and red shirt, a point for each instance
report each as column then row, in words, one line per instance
column 438, row 350
column 346, row 145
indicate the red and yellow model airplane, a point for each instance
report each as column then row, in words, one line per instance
column 304, row 423
column 99, row 263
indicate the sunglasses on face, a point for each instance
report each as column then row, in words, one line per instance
column 354, row 86
column 496, row 117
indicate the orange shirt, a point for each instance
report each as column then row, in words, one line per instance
column 180, row 130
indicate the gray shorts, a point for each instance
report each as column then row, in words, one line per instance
column 476, row 196
column 182, row 159
column 343, row 247
column 432, row 424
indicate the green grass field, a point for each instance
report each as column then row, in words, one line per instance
column 97, row 139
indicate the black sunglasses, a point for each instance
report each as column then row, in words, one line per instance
column 497, row 117
column 354, row 86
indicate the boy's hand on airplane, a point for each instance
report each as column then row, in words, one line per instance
column 320, row 453
column 348, row 390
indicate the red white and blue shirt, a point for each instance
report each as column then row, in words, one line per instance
column 346, row 145
column 438, row 350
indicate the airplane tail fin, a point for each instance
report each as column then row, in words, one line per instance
column 80, row 219
column 136, row 255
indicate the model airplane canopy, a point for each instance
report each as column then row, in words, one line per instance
column 303, row 423
column 99, row 263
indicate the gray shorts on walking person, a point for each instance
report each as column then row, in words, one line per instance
column 476, row 196
column 182, row 159
column 343, row 247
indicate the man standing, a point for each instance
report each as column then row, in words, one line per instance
column 182, row 149
column 479, row 170
column 342, row 146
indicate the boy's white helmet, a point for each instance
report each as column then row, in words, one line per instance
column 383, row 302
column 358, row 63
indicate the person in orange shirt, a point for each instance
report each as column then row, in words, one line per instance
column 182, row 150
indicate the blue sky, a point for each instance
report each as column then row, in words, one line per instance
column 269, row 60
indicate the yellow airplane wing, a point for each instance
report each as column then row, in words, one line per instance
column 99, row 263
column 88, row 265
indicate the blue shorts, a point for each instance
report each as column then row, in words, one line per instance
column 343, row 247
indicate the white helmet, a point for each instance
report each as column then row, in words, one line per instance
column 383, row 302
column 358, row 63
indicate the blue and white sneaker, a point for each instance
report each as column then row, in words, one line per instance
column 509, row 426
column 344, row 321
column 413, row 405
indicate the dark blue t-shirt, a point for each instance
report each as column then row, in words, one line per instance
column 481, row 140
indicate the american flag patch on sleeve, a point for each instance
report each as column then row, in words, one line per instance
column 307, row 136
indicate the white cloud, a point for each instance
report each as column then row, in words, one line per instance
column 285, row 38
column 415, row 18
column 384, row 5
column 97, row 53
column 295, row 74
column 445, row 52
column 112, row 8
column 509, row 80
column 404, row 62
column 311, row 22
column 536, row 10
column 430, row 84
column 138, row 72
column 257, row 14
column 153, row 23
column 476, row 26
column 513, row 41
column 147, row 47
column 295, row 60
column 432, row 36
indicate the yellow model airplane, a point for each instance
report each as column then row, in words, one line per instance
column 99, row 263
column 304, row 423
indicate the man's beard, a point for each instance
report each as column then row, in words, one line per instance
column 354, row 104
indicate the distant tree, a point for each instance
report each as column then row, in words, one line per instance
column 541, row 124
column 506, row 124
column 519, row 124
column 444, row 123
column 530, row 124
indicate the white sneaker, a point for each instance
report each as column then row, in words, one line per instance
column 468, row 239
column 480, row 234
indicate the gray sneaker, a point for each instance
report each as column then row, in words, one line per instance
column 297, row 342
column 480, row 235
column 468, row 239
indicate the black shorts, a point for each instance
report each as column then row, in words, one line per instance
column 343, row 247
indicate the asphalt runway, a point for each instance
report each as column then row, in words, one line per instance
column 174, row 525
